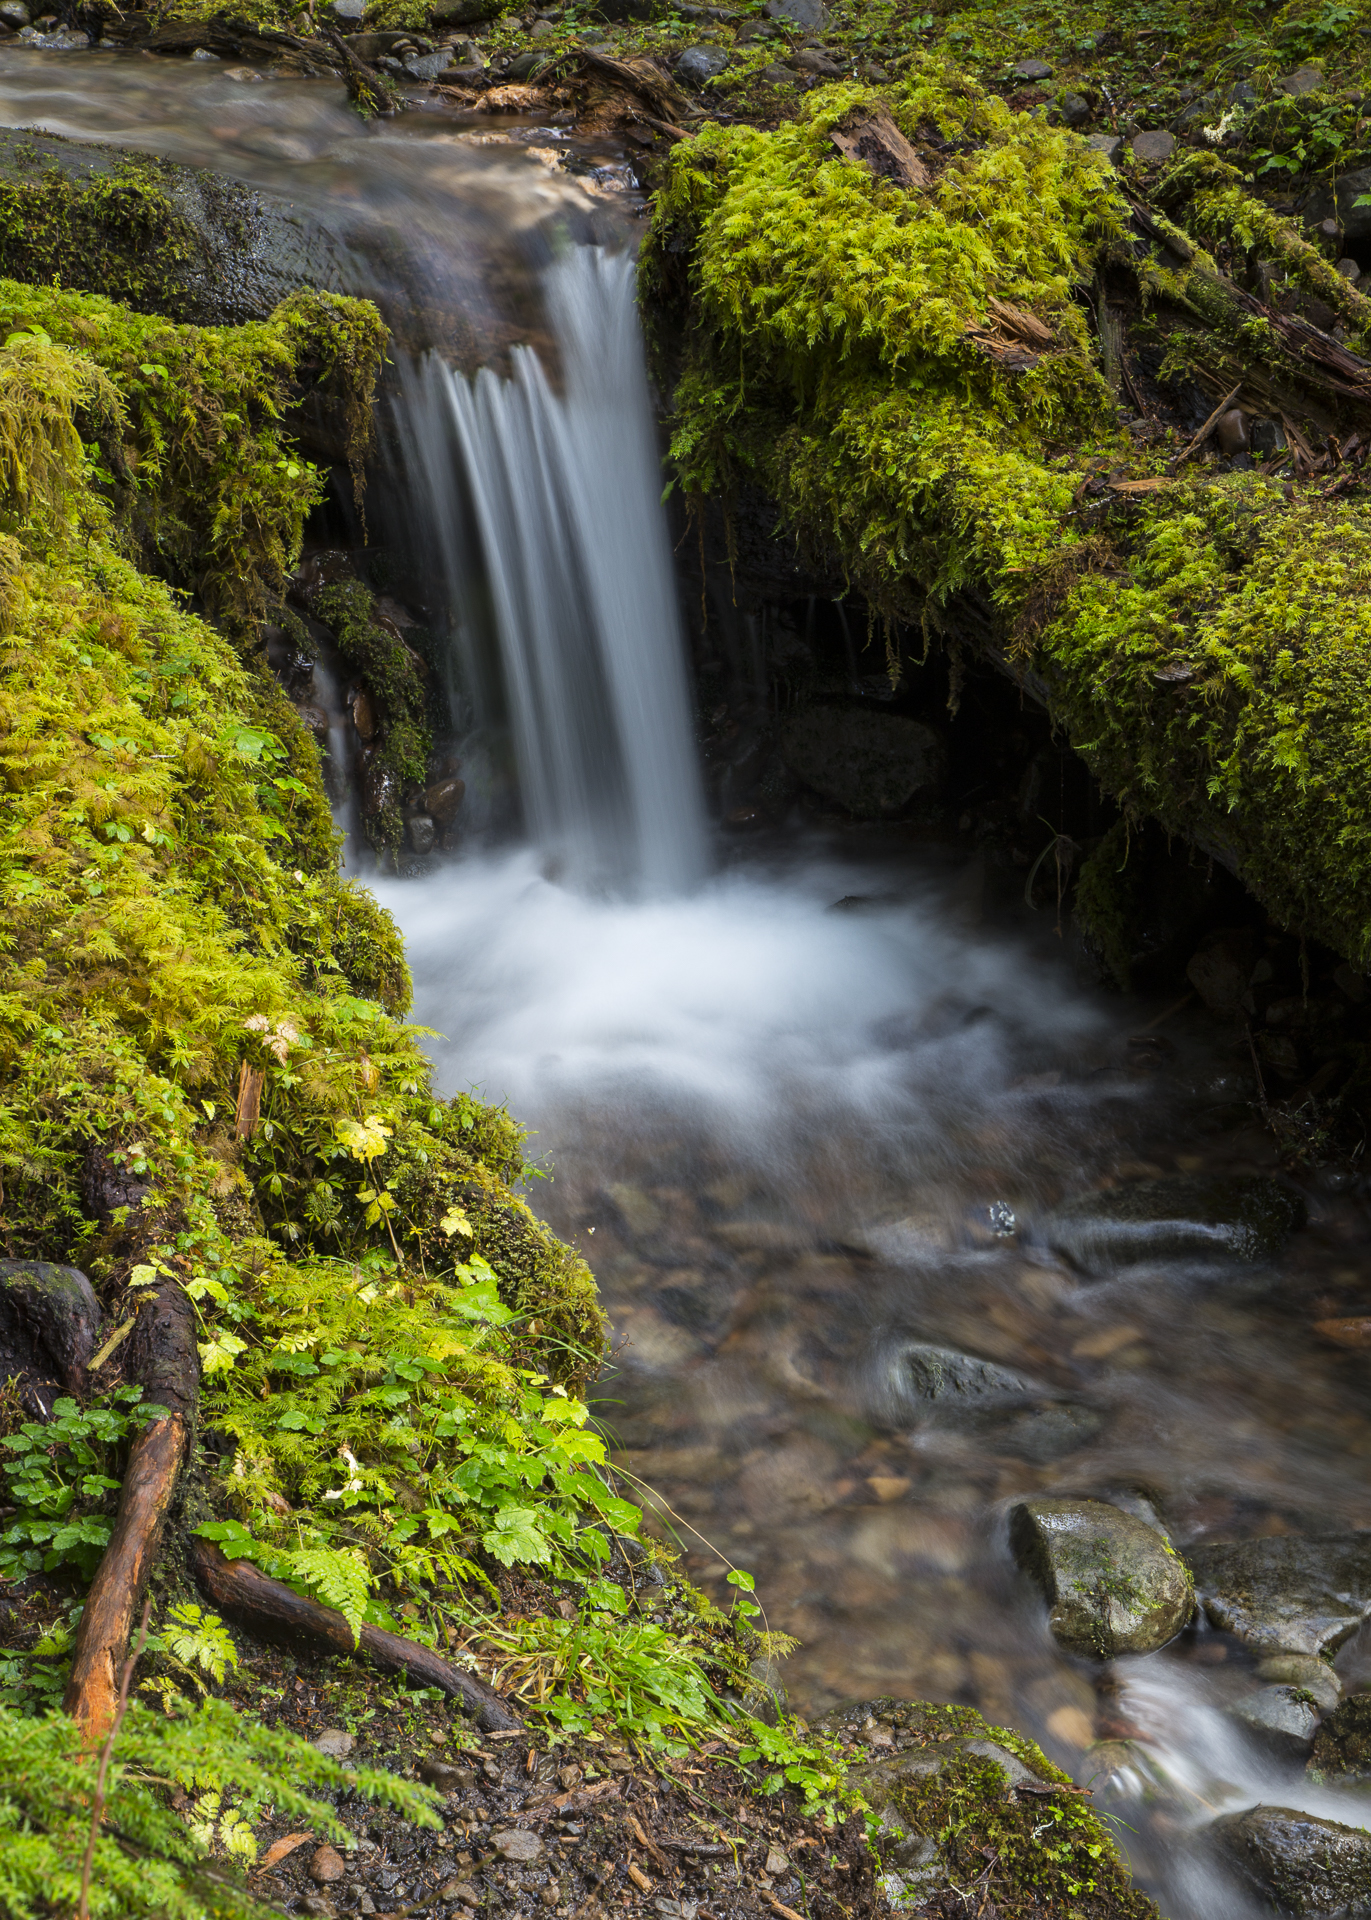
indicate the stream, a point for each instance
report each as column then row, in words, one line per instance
column 811, row 1102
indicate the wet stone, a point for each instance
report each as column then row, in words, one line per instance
column 872, row 764
column 326, row 1866
column 812, row 15
column 923, row 1378
column 1301, row 1864
column 1153, row 147
column 698, row 64
column 1303, row 1670
column 1033, row 70
column 1342, row 1745
column 334, row 1743
column 1205, row 1217
column 1048, row 1433
column 1282, row 1717
column 1113, row 1584
column 1287, row 1595
column 517, row 1843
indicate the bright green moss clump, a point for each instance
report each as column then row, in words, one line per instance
column 909, row 371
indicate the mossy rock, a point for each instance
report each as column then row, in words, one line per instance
column 1342, row 1745
column 965, row 1802
column 1114, row 1584
column 1296, row 1862
column 156, row 236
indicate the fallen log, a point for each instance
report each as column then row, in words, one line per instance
column 164, row 1361
column 272, row 1608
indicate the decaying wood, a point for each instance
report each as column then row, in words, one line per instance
column 642, row 78
column 249, row 1100
column 876, row 143
column 165, row 1362
column 270, row 1607
column 1012, row 337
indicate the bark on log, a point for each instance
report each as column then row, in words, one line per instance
column 163, row 1359
column 271, row 1608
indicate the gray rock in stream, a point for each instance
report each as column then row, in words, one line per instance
column 1287, row 1595
column 915, row 1378
column 1283, row 1718
column 1298, row 1863
column 1113, row 1584
column 1195, row 1217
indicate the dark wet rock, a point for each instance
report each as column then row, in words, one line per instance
column 1190, row 1216
column 463, row 13
column 446, row 1777
column 1113, row 1584
column 1154, row 146
column 812, row 15
column 1108, row 145
column 1231, row 433
column 870, row 763
column 1220, row 971
column 1303, row 1670
column 443, row 799
column 524, row 65
column 811, row 60
column 49, row 1322
column 1033, row 70
column 107, row 1185
column 1074, row 109
column 1284, row 1718
column 1301, row 1864
column 1342, row 1745
column 698, row 64
column 1303, row 80
column 779, row 76
column 1048, row 1433
column 421, row 833
column 1287, row 1595
column 1340, row 205
column 15, row 13
column 920, row 1378
column 380, row 789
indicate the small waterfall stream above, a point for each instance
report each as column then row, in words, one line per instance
column 815, row 1112
column 562, row 488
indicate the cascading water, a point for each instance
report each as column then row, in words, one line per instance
column 562, row 487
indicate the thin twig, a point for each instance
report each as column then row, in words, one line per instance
column 1208, row 426
column 98, row 1805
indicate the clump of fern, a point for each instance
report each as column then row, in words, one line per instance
column 149, row 1864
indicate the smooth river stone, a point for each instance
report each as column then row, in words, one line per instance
column 1299, row 1863
column 1113, row 1584
column 1284, row 1594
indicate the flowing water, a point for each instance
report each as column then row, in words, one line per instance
column 808, row 1104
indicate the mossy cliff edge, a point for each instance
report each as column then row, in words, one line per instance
column 923, row 370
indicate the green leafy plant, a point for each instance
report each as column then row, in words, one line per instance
column 59, row 1483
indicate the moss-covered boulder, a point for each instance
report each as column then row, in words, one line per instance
column 963, row 1802
column 1113, row 1583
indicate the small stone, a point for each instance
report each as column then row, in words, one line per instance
column 698, row 64
column 1302, row 80
column 1113, row 1584
column 335, row 1743
column 327, row 1866
column 422, row 833
column 1268, row 437
column 1304, row 1671
column 517, row 1843
column 871, row 764
column 777, row 1862
column 1300, row 1864
column 779, row 76
column 1033, row 70
column 523, row 66
column 1349, row 269
column 464, row 13
column 15, row 14
column 810, row 60
column 317, row 1907
column 924, row 1378
column 1074, row 109
column 245, row 76
column 1282, row 1717
column 1108, row 145
column 443, row 1775
column 203, row 53
column 1231, row 432
column 541, row 30
column 366, row 1904
column 443, row 799
column 811, row 15
column 1154, row 146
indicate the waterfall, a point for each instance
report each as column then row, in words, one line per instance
column 562, row 489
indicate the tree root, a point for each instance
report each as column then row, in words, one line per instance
column 271, row 1608
column 165, row 1362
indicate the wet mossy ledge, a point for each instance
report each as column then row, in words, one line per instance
column 914, row 369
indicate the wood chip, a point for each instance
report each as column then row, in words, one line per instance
column 641, row 1881
column 278, row 1850
column 1149, row 485
column 779, row 1906
column 877, row 144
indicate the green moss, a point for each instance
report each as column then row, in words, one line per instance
column 396, row 679
column 1204, row 644
column 202, row 472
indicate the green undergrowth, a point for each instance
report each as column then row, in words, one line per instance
column 195, row 453
column 850, row 345
column 149, row 1863
column 395, row 676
